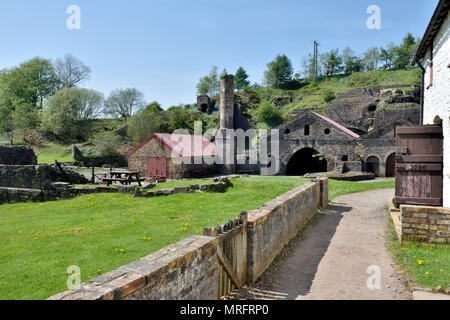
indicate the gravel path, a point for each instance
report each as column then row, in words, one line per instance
column 330, row 259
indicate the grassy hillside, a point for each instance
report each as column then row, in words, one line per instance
column 317, row 94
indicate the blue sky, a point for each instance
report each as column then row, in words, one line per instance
column 163, row 47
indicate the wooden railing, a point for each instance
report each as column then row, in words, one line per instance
column 231, row 254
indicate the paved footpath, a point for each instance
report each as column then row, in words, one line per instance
column 331, row 259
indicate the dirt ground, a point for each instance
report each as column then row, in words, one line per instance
column 331, row 258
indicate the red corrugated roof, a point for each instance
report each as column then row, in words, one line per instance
column 337, row 125
column 182, row 145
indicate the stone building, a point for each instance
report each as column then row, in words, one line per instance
column 433, row 56
column 315, row 143
column 173, row 156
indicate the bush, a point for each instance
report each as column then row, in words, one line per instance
column 106, row 143
column 328, row 95
column 269, row 114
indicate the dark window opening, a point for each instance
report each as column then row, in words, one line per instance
column 306, row 161
column 307, row 130
column 204, row 107
column 372, row 108
column 287, row 131
column 344, row 158
column 373, row 166
column 327, row 131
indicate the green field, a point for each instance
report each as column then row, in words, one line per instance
column 102, row 232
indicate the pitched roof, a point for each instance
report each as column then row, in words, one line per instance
column 337, row 125
column 183, row 145
column 438, row 18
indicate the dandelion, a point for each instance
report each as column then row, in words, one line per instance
column 442, row 270
column 427, row 273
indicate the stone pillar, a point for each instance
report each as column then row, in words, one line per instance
column 227, row 102
column 225, row 139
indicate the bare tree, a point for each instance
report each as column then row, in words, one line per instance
column 124, row 103
column 71, row 71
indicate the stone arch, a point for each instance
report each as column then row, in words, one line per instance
column 373, row 165
column 306, row 160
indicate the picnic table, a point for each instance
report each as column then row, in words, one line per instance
column 124, row 177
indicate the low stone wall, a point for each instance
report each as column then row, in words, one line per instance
column 186, row 270
column 27, row 177
column 425, row 224
column 190, row 269
column 272, row 226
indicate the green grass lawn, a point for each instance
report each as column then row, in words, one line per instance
column 51, row 151
column 102, row 232
column 428, row 266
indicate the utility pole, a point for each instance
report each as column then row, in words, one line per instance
column 316, row 59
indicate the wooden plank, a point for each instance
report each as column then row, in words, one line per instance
column 418, row 201
column 228, row 268
column 419, row 130
column 423, row 158
column 419, row 167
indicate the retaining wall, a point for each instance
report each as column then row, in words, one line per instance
column 425, row 224
column 272, row 226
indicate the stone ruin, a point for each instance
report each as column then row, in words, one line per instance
column 19, row 155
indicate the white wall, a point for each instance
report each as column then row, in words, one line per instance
column 437, row 97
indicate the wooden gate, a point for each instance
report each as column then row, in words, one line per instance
column 231, row 254
column 419, row 166
column 156, row 167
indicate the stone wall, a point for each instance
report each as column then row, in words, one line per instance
column 272, row 226
column 28, row 177
column 62, row 191
column 189, row 269
column 20, row 155
column 425, row 224
column 186, row 270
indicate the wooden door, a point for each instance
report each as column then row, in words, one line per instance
column 156, row 167
column 390, row 166
column 419, row 165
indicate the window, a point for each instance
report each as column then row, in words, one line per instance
column 344, row 158
column 307, row 130
column 327, row 131
column 287, row 131
column 431, row 68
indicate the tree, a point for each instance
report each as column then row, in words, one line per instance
column 331, row 62
column 124, row 103
column 210, row 84
column 31, row 82
column 350, row 61
column 387, row 55
column 371, row 59
column 240, row 79
column 71, row 71
column 279, row 72
column 90, row 103
column 106, row 143
column 404, row 53
column 154, row 107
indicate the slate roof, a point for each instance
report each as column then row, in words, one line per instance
column 337, row 125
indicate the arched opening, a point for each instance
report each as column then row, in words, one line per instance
column 390, row 166
column 373, row 165
column 204, row 107
column 306, row 161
